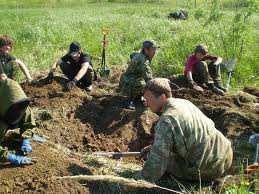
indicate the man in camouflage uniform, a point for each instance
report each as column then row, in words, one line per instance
column 186, row 143
column 15, row 113
column 133, row 81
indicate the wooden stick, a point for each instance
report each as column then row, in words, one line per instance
column 119, row 180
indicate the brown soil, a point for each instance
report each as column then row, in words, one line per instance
column 86, row 122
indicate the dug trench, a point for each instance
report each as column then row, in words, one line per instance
column 78, row 122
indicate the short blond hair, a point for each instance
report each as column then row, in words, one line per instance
column 159, row 86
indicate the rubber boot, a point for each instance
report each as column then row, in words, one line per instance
column 219, row 85
column 215, row 89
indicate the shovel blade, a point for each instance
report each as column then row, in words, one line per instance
column 105, row 72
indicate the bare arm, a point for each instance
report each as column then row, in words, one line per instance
column 82, row 71
column 55, row 65
column 193, row 83
column 24, row 69
column 218, row 61
column 189, row 76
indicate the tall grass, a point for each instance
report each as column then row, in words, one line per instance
column 43, row 31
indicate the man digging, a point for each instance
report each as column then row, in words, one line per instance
column 201, row 74
column 137, row 74
column 76, row 66
column 186, row 144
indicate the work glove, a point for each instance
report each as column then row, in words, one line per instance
column 31, row 81
column 19, row 160
column 194, row 86
column 50, row 77
column 70, row 85
column 26, row 147
column 218, row 91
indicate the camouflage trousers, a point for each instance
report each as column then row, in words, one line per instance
column 25, row 125
column 181, row 170
column 133, row 88
column 206, row 73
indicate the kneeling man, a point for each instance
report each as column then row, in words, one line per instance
column 76, row 66
column 186, row 143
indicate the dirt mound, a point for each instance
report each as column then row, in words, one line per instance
column 98, row 121
column 91, row 123
column 113, row 127
column 252, row 90
column 78, row 122
column 233, row 114
column 39, row 178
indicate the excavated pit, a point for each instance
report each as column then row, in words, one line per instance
column 87, row 122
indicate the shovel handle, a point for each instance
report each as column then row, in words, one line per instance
column 229, row 79
column 256, row 154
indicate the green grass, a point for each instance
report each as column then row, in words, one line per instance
column 43, row 31
column 126, row 169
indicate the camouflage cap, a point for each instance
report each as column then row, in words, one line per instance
column 201, row 48
column 149, row 44
column 159, row 86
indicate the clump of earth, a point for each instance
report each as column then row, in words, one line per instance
column 78, row 122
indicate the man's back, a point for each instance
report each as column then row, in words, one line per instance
column 195, row 137
column 139, row 67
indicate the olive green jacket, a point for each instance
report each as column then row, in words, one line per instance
column 187, row 144
column 139, row 72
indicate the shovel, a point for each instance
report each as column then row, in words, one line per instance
column 230, row 68
column 104, row 70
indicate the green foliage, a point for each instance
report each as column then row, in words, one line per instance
column 235, row 32
column 42, row 31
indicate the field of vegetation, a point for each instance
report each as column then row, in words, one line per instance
column 82, row 123
column 42, row 31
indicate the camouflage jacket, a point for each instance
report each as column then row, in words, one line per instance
column 7, row 63
column 10, row 93
column 139, row 68
column 186, row 143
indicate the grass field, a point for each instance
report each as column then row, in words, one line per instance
column 43, row 31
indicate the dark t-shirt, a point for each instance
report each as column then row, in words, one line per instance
column 7, row 66
column 77, row 64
